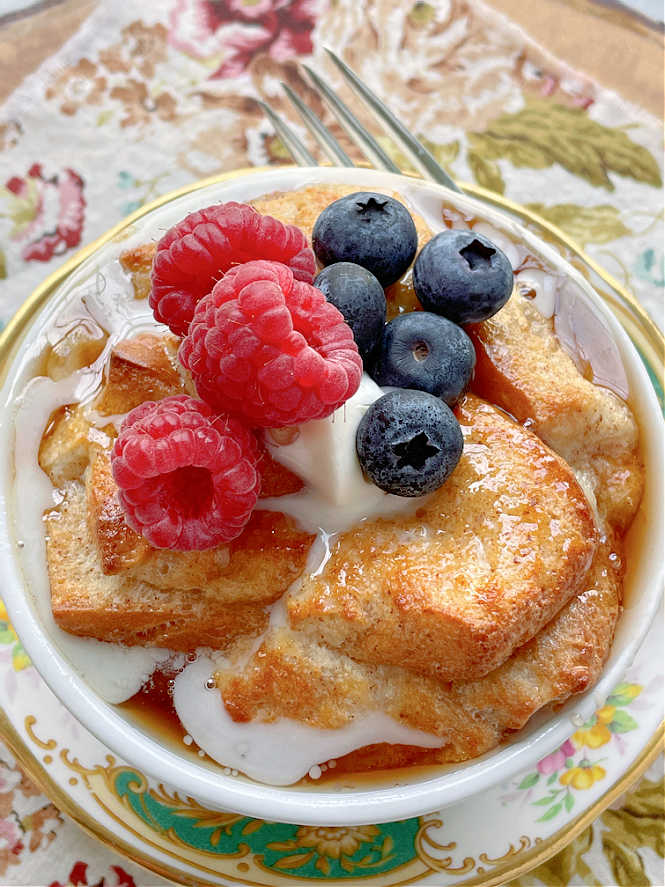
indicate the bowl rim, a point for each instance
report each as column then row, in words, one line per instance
column 255, row 799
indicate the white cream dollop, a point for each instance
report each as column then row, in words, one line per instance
column 323, row 454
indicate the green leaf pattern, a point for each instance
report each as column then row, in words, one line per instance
column 542, row 134
column 585, row 224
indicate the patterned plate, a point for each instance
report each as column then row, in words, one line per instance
column 484, row 840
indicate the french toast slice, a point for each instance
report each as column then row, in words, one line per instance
column 522, row 367
column 258, row 565
column 119, row 608
column 476, row 571
column 293, row 676
column 106, row 581
column 139, row 369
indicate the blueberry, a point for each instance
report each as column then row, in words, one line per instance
column 408, row 442
column 424, row 351
column 462, row 276
column 360, row 298
column 369, row 229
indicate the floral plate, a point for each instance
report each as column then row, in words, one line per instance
column 486, row 839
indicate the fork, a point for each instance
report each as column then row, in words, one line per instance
column 417, row 153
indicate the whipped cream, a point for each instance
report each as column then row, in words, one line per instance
column 323, row 454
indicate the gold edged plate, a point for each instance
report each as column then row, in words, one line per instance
column 470, row 843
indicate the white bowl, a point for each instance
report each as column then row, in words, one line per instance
column 408, row 793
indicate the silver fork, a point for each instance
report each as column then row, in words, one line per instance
column 421, row 158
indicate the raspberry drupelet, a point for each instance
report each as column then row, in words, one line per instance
column 187, row 478
column 192, row 256
column 270, row 348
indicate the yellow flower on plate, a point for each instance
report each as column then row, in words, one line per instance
column 605, row 715
column 335, row 840
column 8, row 636
column 592, row 737
column 582, row 776
column 599, row 733
column 20, row 658
column 4, row 615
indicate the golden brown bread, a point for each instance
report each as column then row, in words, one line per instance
column 479, row 569
column 137, row 262
column 106, row 581
column 119, row 547
column 142, row 368
column 293, row 676
column 118, row 607
column 68, row 443
column 522, row 367
column 79, row 345
column 258, row 565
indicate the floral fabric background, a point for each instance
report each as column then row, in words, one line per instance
column 147, row 97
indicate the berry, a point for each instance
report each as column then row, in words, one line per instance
column 424, row 351
column 193, row 255
column 408, row 442
column 270, row 348
column 462, row 276
column 369, row 229
column 360, row 297
column 187, row 478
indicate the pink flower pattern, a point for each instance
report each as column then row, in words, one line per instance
column 10, row 834
column 557, row 759
column 53, row 212
column 240, row 30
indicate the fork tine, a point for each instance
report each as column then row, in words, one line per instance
column 320, row 132
column 294, row 145
column 416, row 151
column 367, row 144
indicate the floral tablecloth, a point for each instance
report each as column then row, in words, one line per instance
column 142, row 98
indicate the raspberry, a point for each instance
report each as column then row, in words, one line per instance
column 194, row 254
column 187, row 478
column 270, row 348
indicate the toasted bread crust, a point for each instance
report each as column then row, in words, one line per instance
column 106, row 581
column 137, row 262
column 119, row 546
column 479, row 569
column 122, row 609
column 141, row 368
column 163, row 598
column 518, row 359
column 292, row 676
